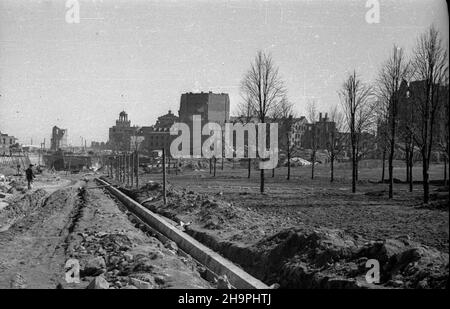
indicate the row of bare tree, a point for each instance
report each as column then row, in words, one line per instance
column 265, row 96
column 416, row 125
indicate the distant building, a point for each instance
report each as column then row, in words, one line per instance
column 409, row 108
column 211, row 107
column 158, row 136
column 98, row 145
column 6, row 141
column 298, row 129
column 58, row 139
column 318, row 133
column 120, row 135
column 155, row 138
column 166, row 121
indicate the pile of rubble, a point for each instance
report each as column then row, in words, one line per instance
column 17, row 207
column 107, row 261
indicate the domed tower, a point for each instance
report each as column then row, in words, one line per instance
column 123, row 120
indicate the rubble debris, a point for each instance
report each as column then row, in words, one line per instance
column 304, row 257
column 98, row 283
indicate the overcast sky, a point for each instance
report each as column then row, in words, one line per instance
column 141, row 56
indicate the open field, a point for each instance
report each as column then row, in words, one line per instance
column 319, row 203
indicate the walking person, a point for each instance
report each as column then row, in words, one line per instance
column 30, row 175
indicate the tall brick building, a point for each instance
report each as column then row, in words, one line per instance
column 211, row 107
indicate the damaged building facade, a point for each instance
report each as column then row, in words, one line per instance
column 58, row 139
column 6, row 141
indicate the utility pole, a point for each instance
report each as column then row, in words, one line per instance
column 127, row 168
column 132, row 169
column 137, row 168
column 164, row 175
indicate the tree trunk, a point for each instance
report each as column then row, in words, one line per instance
column 332, row 168
column 222, row 164
column 289, row 165
column 273, row 173
column 411, row 157
column 353, row 169
column 384, row 165
column 210, row 165
column 262, row 181
column 391, row 173
column 313, row 161
column 445, row 170
column 215, row 161
column 407, row 163
column 249, row 167
column 426, row 188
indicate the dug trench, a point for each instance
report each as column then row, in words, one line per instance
column 301, row 257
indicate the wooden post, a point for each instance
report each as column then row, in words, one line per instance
column 117, row 167
column 127, row 168
column 120, row 167
column 164, row 175
column 215, row 161
column 137, row 169
column 132, row 169
column 123, row 168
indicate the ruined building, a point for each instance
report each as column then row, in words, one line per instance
column 318, row 133
column 6, row 141
column 58, row 139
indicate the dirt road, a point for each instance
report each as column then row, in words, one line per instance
column 56, row 221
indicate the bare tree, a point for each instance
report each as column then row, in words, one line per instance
column 430, row 66
column 335, row 141
column 284, row 115
column 312, row 117
column 358, row 112
column 382, row 136
column 263, row 89
column 407, row 119
column 246, row 114
column 390, row 77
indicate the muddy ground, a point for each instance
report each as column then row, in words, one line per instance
column 43, row 228
column 296, row 220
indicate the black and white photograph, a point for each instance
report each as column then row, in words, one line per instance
column 250, row 146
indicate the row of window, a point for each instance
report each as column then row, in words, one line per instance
column 4, row 141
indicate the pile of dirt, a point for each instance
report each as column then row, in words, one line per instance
column 212, row 213
column 303, row 257
column 324, row 258
column 21, row 207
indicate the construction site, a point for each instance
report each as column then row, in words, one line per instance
column 238, row 145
